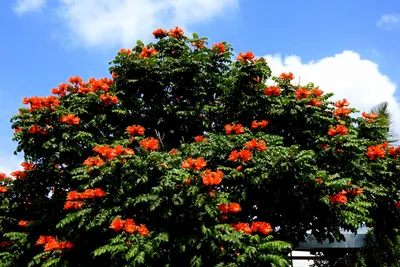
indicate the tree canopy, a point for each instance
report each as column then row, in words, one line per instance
column 189, row 156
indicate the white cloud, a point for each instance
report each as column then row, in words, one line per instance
column 106, row 23
column 346, row 75
column 389, row 22
column 23, row 6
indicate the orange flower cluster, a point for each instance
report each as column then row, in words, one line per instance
column 108, row 99
column 200, row 138
column 94, row 161
column 159, row 33
column 246, row 56
column 272, row 91
column 259, row 124
column 125, row 51
column 88, row 193
column 173, row 151
column 319, row 180
column 342, row 112
column 315, row 102
column 394, row 151
column 41, row 102
column 369, row 117
column 24, row 223
column 114, row 75
column 377, row 151
column 18, row 129
column 302, row 93
column 236, row 128
column 230, row 208
column 28, row 166
column 253, row 144
column 18, row 174
column 356, row 192
column 262, row 227
column 338, row 198
column 176, row 32
column 243, row 155
column 135, row 130
column 70, row 119
column 3, row 189
column 150, row 144
column 342, row 103
column 212, row 178
column 284, row 76
column 111, row 153
column 50, row 243
column 219, row 47
column 195, row 164
column 129, row 226
column 2, row 176
column 75, row 199
column 36, row 129
column 340, row 129
column 147, row 52
column 78, row 85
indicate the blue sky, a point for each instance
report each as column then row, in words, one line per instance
column 348, row 47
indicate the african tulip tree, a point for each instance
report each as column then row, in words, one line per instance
column 185, row 157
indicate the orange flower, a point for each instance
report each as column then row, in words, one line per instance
column 160, row 33
column 315, row 102
column 262, row 227
column 224, row 208
column 2, row 176
column 212, row 178
column 243, row 155
column 219, row 47
column 302, row 93
column 176, row 32
column 70, row 119
column 259, row 124
column 23, row 223
column 195, row 164
column 319, row 180
column 237, row 128
column 198, row 138
column 135, row 130
column 342, row 103
column 36, row 129
column 130, row 226
column 244, row 57
column 19, row 174
column 369, row 117
column 272, row 91
column 28, row 166
column 146, row 52
column 244, row 227
column 125, row 51
column 73, row 195
column 117, row 225
column 199, row 44
column 398, row 205
column 378, row 151
column 75, row 80
column 108, row 99
column 3, row 189
column 94, row 161
column 142, row 230
column 173, row 151
column 357, row 191
column 68, row 205
column 188, row 181
column 342, row 112
column 284, row 76
column 234, row 207
column 253, row 144
column 114, row 75
column 340, row 129
column 151, row 144
column 317, row 92
column 338, row 198
column 18, row 129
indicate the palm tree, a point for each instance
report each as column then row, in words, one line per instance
column 386, row 120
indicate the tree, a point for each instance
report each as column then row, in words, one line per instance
column 185, row 158
column 385, row 118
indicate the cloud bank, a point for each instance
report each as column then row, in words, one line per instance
column 346, row 75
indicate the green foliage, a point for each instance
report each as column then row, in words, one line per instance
column 295, row 170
